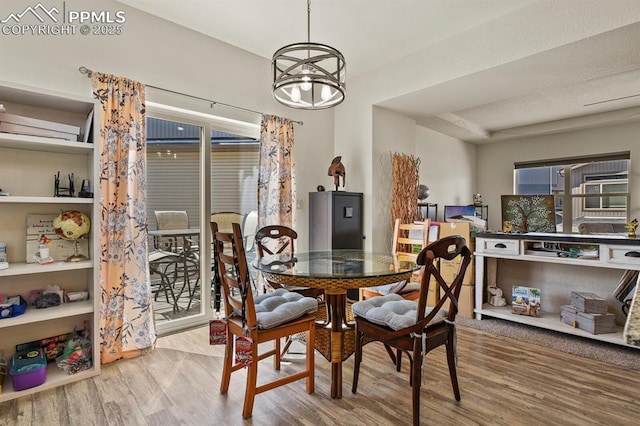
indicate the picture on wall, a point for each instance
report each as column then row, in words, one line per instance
column 459, row 211
column 528, row 213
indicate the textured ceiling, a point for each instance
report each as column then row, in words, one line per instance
column 590, row 81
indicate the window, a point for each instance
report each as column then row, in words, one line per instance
column 234, row 172
column 173, row 153
column 603, row 202
column 586, row 190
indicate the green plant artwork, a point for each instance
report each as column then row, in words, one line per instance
column 528, row 213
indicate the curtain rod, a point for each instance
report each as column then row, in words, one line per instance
column 87, row 72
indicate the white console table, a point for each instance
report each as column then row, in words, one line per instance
column 572, row 258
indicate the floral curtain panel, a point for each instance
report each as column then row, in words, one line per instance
column 276, row 180
column 126, row 315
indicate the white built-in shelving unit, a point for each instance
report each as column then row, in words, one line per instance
column 597, row 264
column 27, row 168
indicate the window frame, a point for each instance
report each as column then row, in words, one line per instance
column 208, row 123
column 565, row 198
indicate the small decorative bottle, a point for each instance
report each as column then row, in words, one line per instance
column 43, row 251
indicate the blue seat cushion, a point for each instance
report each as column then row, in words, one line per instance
column 386, row 289
column 393, row 311
column 281, row 306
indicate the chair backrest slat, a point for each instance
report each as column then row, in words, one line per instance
column 275, row 239
column 447, row 248
column 234, row 272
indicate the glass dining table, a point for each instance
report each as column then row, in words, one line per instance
column 335, row 272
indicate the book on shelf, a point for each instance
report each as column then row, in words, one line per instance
column 19, row 129
column 41, row 124
column 625, row 285
column 87, row 135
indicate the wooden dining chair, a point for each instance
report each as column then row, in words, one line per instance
column 279, row 239
column 264, row 318
column 224, row 221
column 408, row 240
column 410, row 326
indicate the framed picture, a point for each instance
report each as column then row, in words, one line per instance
column 42, row 224
column 528, row 213
column 457, row 212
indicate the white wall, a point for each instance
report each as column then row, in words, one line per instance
column 495, row 161
column 166, row 55
column 392, row 132
column 448, row 168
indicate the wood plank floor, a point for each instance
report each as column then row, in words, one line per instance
column 503, row 382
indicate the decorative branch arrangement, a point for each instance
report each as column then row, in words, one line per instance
column 404, row 187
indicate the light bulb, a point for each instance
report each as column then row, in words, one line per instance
column 326, row 93
column 295, row 94
column 306, row 85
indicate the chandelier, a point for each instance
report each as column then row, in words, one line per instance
column 308, row 75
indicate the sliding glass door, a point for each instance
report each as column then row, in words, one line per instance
column 197, row 165
column 174, row 179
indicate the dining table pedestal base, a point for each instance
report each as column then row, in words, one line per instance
column 335, row 336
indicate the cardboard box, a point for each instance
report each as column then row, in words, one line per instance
column 449, row 268
column 525, row 301
column 449, row 271
column 433, row 296
column 466, row 301
column 456, row 228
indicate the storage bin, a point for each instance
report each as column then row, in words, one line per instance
column 13, row 310
column 588, row 302
column 28, row 369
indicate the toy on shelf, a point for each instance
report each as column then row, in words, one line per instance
column 496, row 298
column 43, row 256
column 632, row 228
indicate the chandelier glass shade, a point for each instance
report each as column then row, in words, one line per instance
column 308, row 75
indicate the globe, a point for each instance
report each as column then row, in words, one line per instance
column 72, row 225
column 423, row 192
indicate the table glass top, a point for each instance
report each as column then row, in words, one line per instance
column 335, row 264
